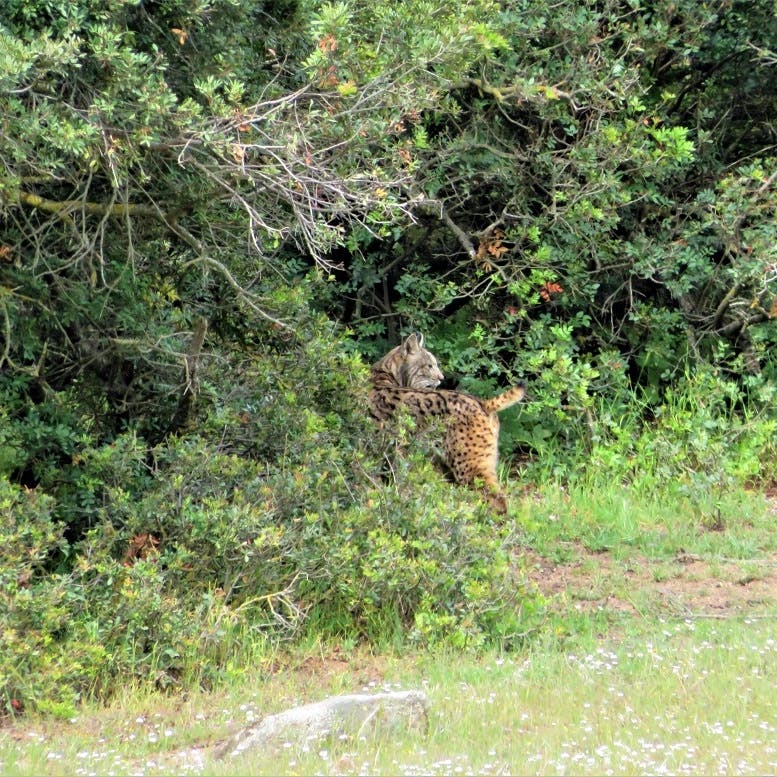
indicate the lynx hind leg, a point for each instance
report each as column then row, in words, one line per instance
column 492, row 490
column 497, row 500
column 472, row 459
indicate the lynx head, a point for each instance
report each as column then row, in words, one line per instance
column 409, row 365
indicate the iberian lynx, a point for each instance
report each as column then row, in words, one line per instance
column 408, row 376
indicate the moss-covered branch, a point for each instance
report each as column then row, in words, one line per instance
column 518, row 91
column 64, row 207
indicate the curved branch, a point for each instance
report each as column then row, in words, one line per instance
column 244, row 295
column 742, row 324
column 63, row 207
column 502, row 93
column 724, row 305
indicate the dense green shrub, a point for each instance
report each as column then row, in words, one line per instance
column 232, row 574
column 201, row 554
column 704, row 438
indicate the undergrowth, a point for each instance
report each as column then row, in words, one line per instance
column 199, row 561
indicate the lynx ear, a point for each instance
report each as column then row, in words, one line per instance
column 413, row 343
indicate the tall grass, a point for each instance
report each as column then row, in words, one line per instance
column 623, row 520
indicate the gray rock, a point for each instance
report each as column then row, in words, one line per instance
column 339, row 716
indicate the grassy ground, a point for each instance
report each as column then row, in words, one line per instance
column 658, row 655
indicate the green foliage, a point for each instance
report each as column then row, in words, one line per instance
column 424, row 563
column 705, row 442
column 245, row 556
column 583, row 168
column 212, row 212
column 32, row 607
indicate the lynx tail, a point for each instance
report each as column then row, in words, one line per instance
column 504, row 400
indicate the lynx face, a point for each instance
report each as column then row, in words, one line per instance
column 408, row 376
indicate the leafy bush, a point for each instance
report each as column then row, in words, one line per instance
column 704, row 438
column 200, row 555
column 418, row 558
column 33, row 606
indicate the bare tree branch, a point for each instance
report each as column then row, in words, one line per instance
column 243, row 294
column 436, row 207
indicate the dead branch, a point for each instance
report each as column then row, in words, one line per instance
column 438, row 209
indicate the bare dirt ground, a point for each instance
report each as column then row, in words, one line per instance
column 686, row 586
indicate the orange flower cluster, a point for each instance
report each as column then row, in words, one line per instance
column 550, row 290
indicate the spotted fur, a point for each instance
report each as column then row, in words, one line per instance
column 408, row 376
